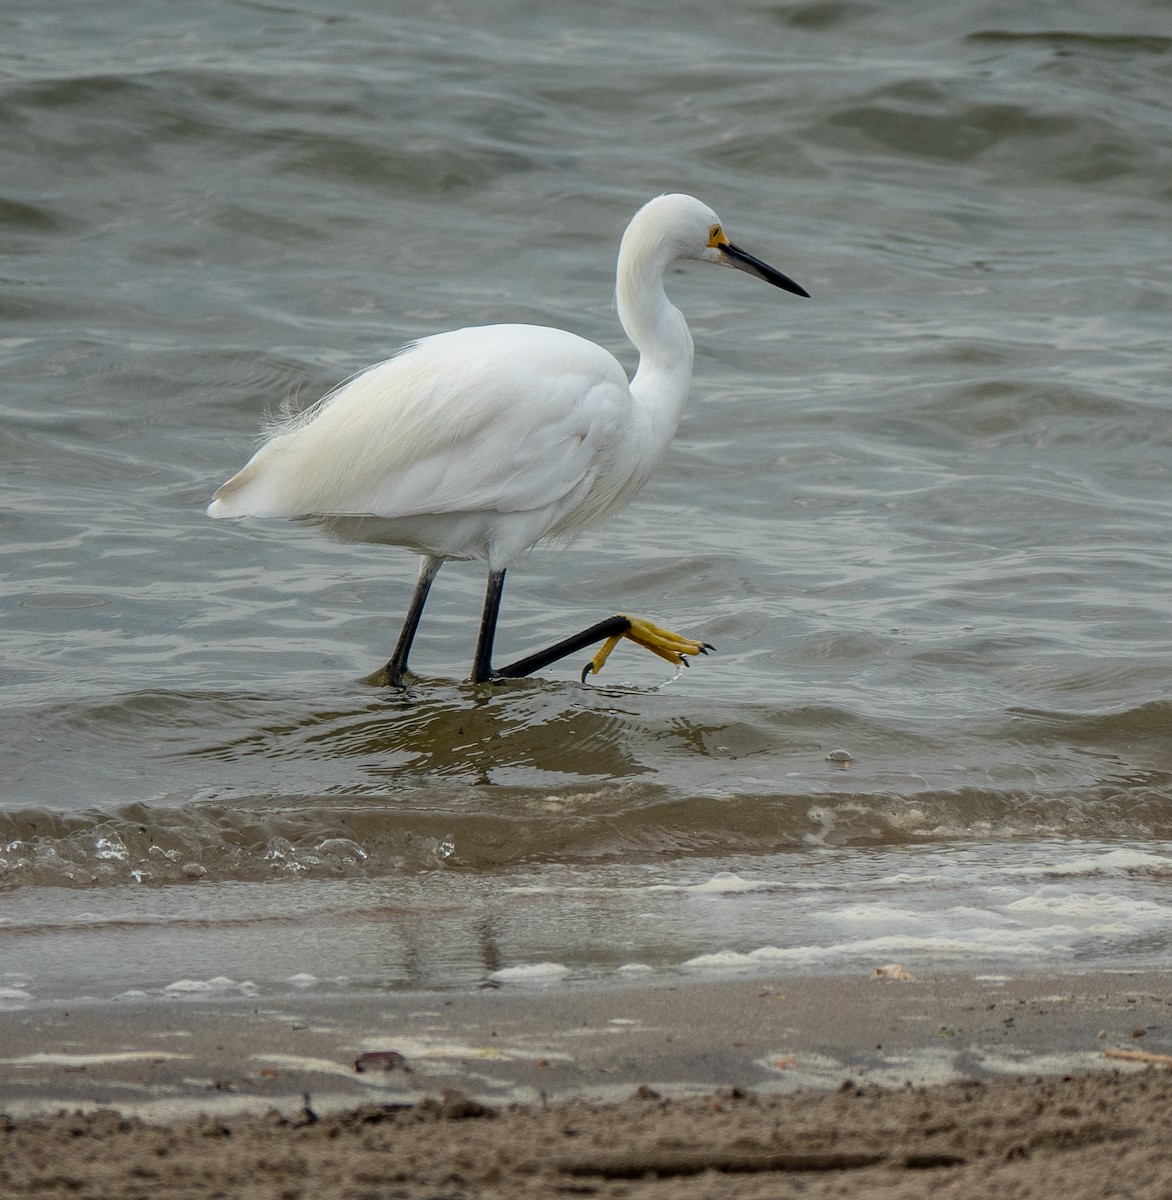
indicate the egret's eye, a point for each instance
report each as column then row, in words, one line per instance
column 716, row 236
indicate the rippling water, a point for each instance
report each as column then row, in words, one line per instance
column 923, row 516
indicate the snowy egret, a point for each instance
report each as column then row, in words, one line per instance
column 477, row 443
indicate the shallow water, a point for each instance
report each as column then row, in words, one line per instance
column 923, row 516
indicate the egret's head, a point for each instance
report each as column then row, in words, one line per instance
column 682, row 227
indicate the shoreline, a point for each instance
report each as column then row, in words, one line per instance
column 946, row 1086
column 165, row 1059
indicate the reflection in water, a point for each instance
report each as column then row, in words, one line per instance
column 458, row 732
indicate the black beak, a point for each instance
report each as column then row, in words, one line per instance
column 734, row 256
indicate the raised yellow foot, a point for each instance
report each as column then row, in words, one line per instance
column 672, row 646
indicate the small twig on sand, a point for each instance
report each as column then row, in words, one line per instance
column 1143, row 1056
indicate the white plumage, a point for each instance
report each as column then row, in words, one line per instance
column 453, row 428
column 477, row 443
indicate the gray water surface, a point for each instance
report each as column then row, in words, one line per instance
column 923, row 516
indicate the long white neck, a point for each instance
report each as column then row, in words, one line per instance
column 658, row 330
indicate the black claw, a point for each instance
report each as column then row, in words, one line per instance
column 684, row 661
column 706, row 646
column 586, row 670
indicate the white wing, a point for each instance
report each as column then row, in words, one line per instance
column 500, row 418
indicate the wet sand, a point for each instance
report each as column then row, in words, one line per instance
column 946, row 1086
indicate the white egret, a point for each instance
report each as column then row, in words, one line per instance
column 477, row 443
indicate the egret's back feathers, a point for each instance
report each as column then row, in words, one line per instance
column 501, row 418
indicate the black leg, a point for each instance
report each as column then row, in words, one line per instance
column 482, row 671
column 663, row 642
column 482, row 668
column 397, row 667
column 611, row 627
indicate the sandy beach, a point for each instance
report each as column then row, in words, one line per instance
column 950, row 1085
